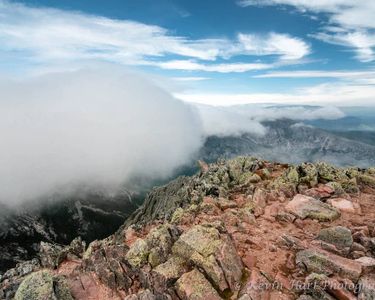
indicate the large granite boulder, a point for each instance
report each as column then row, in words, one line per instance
column 43, row 285
column 214, row 253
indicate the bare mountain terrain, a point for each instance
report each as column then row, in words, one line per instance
column 96, row 215
column 239, row 229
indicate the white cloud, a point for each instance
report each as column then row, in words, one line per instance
column 348, row 13
column 323, row 94
column 287, row 47
column 50, row 36
column 364, row 77
column 103, row 126
column 56, row 34
column 239, row 119
column 96, row 127
column 362, row 42
column 190, row 65
column 221, row 121
column 351, row 23
column 190, row 78
column 298, row 113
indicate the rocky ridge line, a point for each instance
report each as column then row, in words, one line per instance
column 240, row 229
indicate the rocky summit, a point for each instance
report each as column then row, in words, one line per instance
column 240, row 229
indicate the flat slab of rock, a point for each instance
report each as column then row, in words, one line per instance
column 307, row 207
column 194, row 286
column 320, row 192
column 323, row 262
column 342, row 204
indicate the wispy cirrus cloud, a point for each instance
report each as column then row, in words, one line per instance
column 351, row 23
column 288, row 47
column 348, row 13
column 363, row 42
column 190, row 65
column 45, row 33
column 39, row 35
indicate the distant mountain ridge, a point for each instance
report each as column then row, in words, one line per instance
column 292, row 142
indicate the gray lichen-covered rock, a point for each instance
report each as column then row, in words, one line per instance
column 107, row 260
column 166, row 274
column 248, row 178
column 177, row 215
column 214, row 253
column 367, row 180
column 347, row 178
column 160, row 240
column 323, row 262
column 154, row 249
column 138, row 253
column 162, row 201
column 194, row 286
column 215, row 180
column 288, row 181
column 307, row 207
column 51, row 255
column 13, row 277
column 243, row 165
column 172, row 269
column 43, row 285
column 339, row 236
column 350, row 186
column 328, row 173
column 308, row 174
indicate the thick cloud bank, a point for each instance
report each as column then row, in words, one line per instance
column 238, row 119
column 104, row 127
column 96, row 127
column 224, row 121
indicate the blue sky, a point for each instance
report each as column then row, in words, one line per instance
column 214, row 52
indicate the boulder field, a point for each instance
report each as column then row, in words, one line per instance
column 240, row 229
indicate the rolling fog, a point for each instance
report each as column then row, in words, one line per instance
column 104, row 127
column 89, row 127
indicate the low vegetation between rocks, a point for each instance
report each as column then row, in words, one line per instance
column 240, row 229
